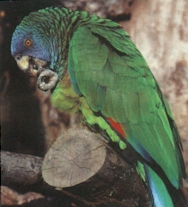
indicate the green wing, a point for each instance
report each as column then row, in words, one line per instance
column 108, row 70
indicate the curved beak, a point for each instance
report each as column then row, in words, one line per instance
column 22, row 62
column 30, row 65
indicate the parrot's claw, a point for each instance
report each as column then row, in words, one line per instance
column 36, row 66
column 47, row 80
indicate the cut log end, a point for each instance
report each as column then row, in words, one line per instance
column 89, row 170
column 73, row 159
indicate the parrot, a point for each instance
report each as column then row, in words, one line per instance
column 93, row 69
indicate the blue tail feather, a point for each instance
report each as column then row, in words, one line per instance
column 158, row 190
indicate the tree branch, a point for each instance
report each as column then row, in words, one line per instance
column 92, row 172
column 20, row 169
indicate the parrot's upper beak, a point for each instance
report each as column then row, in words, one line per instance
column 22, row 62
column 46, row 78
column 31, row 65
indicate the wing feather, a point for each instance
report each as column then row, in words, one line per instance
column 106, row 67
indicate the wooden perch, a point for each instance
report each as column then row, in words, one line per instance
column 20, row 169
column 87, row 170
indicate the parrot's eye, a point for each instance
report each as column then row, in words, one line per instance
column 28, row 42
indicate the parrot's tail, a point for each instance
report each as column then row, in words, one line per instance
column 160, row 194
column 158, row 190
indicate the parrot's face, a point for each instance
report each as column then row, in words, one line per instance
column 27, row 45
column 29, row 48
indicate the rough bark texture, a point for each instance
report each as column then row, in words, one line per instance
column 118, row 9
column 20, row 169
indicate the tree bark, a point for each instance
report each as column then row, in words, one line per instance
column 21, row 169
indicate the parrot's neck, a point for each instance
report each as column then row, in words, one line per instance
column 66, row 26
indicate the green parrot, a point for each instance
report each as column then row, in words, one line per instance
column 94, row 69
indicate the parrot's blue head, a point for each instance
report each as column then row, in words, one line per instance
column 29, row 42
column 32, row 45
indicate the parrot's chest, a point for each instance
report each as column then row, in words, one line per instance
column 64, row 97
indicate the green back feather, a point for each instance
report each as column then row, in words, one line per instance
column 115, row 79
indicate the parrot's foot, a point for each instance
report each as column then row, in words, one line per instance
column 36, row 66
column 47, row 80
column 91, row 119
